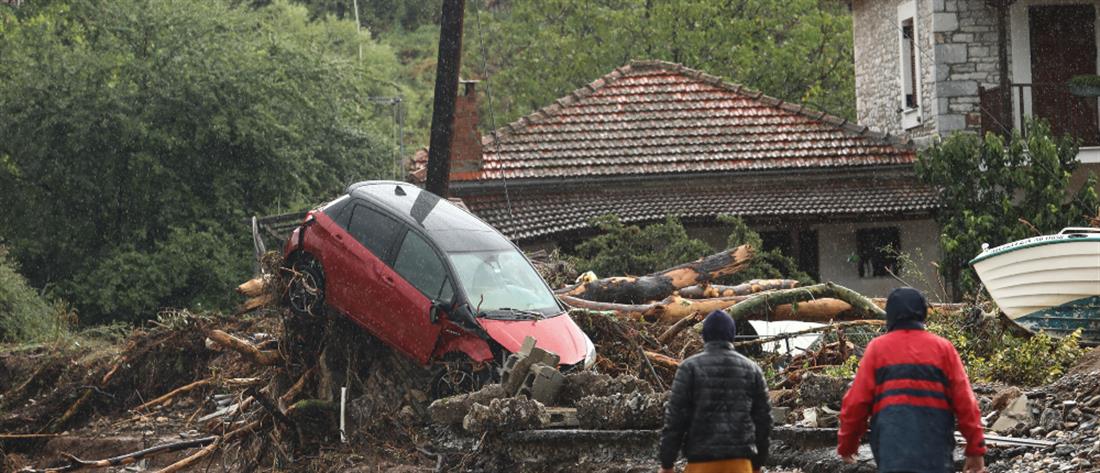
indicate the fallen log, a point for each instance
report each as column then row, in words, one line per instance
column 754, row 286
column 824, row 328
column 799, row 298
column 676, row 328
column 253, row 287
column 660, row 285
column 76, row 464
column 662, row 360
column 246, row 349
column 668, row 311
column 192, row 386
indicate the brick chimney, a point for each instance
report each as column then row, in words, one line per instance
column 466, row 145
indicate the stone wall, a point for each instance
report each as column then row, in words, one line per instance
column 965, row 36
column 877, row 66
column 957, row 41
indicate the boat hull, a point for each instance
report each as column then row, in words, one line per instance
column 1049, row 283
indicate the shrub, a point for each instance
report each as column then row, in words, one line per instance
column 25, row 315
column 771, row 264
column 992, row 353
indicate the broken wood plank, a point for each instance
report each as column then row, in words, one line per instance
column 662, row 360
column 676, row 328
column 660, row 285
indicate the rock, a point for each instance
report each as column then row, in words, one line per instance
column 1016, row 416
column 1050, row 419
column 819, row 390
column 1004, row 397
column 587, row 383
column 809, row 418
column 780, row 414
column 505, row 415
column 634, row 410
column 452, row 410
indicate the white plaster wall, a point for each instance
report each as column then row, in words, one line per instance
column 919, row 239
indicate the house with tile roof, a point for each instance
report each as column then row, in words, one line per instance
column 653, row 138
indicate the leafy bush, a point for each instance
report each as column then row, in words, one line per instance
column 25, row 315
column 990, row 185
column 633, row 250
column 992, row 353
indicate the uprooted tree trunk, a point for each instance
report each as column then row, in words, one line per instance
column 667, row 311
column 818, row 302
column 657, row 286
column 708, row 291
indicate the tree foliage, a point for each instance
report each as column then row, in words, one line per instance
column 767, row 264
column 797, row 50
column 991, row 186
column 633, row 250
column 139, row 134
column 25, row 315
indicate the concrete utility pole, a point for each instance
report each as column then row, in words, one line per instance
column 446, row 92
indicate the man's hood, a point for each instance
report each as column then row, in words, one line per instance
column 906, row 309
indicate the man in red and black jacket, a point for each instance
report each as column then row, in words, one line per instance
column 913, row 387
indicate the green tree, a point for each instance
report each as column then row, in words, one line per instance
column 990, row 186
column 797, row 50
column 139, row 134
column 634, row 250
column 769, row 264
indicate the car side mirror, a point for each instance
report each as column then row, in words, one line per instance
column 437, row 308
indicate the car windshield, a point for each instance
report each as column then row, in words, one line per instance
column 503, row 283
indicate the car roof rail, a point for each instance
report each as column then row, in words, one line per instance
column 351, row 188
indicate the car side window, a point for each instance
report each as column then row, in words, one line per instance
column 373, row 229
column 418, row 263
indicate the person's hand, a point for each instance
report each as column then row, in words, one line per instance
column 667, row 470
column 849, row 459
column 974, row 465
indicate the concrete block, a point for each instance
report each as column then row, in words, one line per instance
column 944, row 22
column 542, row 383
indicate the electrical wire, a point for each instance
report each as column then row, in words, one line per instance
column 489, row 97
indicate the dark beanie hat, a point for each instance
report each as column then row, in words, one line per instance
column 906, row 309
column 719, row 327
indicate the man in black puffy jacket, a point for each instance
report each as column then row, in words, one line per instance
column 718, row 411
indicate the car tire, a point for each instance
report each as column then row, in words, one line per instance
column 306, row 290
column 457, row 375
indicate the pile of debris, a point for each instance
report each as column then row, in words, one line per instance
column 1065, row 413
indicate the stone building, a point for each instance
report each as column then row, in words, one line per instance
column 926, row 68
column 653, row 138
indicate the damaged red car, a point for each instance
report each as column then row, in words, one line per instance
column 426, row 277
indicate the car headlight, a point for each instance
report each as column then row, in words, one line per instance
column 590, row 353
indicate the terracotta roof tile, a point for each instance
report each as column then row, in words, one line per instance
column 654, row 118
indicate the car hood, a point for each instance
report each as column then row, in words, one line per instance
column 559, row 335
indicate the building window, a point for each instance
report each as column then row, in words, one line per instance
column 877, row 251
column 909, row 64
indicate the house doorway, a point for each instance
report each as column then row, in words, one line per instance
column 1063, row 45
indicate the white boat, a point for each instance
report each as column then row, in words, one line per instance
column 1049, row 283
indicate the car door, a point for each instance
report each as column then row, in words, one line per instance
column 418, row 276
column 361, row 259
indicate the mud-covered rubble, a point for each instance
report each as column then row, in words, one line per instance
column 1066, row 412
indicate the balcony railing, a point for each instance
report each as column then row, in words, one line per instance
column 1066, row 113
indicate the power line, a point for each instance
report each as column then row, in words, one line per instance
column 489, row 96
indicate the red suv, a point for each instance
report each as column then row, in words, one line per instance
column 426, row 277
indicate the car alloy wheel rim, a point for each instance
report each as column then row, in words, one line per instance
column 304, row 292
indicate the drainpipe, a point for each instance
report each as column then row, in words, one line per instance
column 446, row 92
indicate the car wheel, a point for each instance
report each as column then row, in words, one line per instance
column 306, row 290
column 459, row 375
